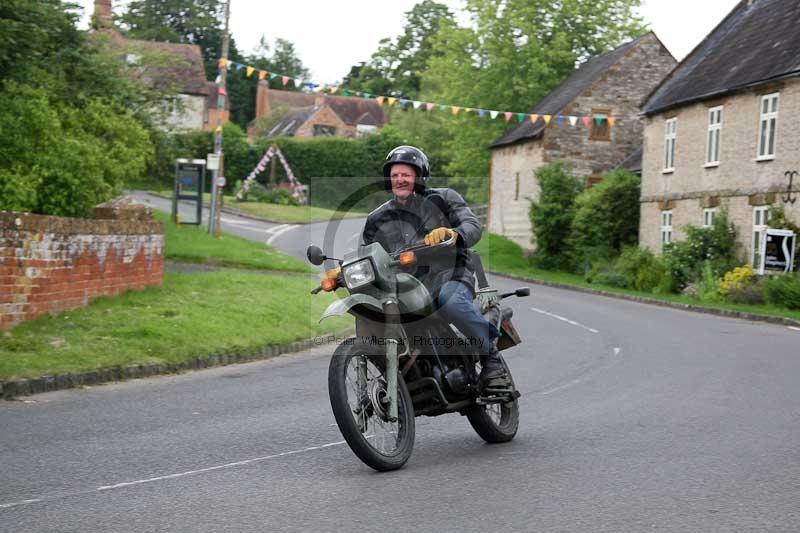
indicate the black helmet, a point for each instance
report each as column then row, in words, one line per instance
column 408, row 155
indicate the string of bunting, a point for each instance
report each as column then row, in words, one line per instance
column 299, row 83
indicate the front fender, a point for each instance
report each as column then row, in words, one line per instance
column 340, row 307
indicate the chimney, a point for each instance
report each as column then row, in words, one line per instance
column 102, row 15
column 262, row 99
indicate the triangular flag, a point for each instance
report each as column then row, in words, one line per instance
column 455, row 109
column 262, row 74
column 379, row 99
column 546, row 119
column 481, row 112
column 611, row 121
column 334, row 89
column 598, row 121
column 218, row 129
column 429, row 106
column 250, row 71
column 239, row 67
column 586, row 121
column 493, row 114
column 443, row 107
column 284, row 80
column 272, row 75
column 573, row 120
column 391, row 100
column 222, row 91
column 298, row 82
column 560, row 119
column 416, row 104
column 222, row 62
column 534, row 118
column 218, row 79
column 365, row 95
column 345, row 92
column 229, row 65
column 404, row 102
column 520, row 117
column 507, row 114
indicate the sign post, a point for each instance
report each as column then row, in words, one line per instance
column 777, row 251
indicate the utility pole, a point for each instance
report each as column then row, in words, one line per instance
column 222, row 97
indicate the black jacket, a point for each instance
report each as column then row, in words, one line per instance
column 397, row 226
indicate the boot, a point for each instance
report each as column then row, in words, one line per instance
column 493, row 372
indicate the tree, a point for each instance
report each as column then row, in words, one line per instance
column 397, row 66
column 551, row 217
column 606, row 218
column 512, row 55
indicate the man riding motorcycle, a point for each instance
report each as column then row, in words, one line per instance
column 414, row 214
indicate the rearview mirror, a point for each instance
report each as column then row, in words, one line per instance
column 315, row 255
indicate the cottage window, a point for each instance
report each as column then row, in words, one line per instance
column 322, row 130
column 666, row 227
column 708, row 216
column 713, row 137
column 600, row 129
column 767, row 127
column 670, row 134
column 760, row 216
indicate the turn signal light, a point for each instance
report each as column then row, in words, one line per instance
column 328, row 284
column 407, row 258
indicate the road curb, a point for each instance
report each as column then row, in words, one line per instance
column 28, row 386
column 652, row 301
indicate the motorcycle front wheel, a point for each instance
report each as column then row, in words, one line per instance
column 357, row 388
column 495, row 422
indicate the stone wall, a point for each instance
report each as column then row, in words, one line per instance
column 739, row 183
column 50, row 264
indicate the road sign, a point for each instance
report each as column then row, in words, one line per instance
column 212, row 162
column 220, row 181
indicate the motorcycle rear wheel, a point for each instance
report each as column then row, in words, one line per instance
column 496, row 422
column 360, row 410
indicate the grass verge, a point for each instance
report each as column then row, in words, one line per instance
column 503, row 255
column 191, row 315
column 193, row 244
column 286, row 214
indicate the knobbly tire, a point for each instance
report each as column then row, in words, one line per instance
column 496, row 422
column 356, row 385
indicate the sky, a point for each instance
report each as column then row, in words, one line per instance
column 330, row 37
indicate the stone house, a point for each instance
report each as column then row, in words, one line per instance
column 611, row 85
column 720, row 131
column 171, row 67
column 311, row 115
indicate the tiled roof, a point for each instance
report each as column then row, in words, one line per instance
column 633, row 163
column 352, row 111
column 557, row 99
column 757, row 42
column 288, row 125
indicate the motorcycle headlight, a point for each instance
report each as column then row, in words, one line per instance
column 358, row 274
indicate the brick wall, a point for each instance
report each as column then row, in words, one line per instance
column 49, row 264
column 739, row 183
column 325, row 116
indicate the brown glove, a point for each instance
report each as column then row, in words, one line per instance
column 438, row 235
column 332, row 273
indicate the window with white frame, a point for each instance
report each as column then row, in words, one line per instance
column 666, row 227
column 767, row 126
column 708, row 216
column 670, row 133
column 713, row 137
column 760, row 216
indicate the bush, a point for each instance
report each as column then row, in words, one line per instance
column 551, row 217
column 783, row 290
column 606, row 218
column 636, row 268
column 715, row 244
column 260, row 193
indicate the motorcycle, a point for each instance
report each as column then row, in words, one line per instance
column 405, row 360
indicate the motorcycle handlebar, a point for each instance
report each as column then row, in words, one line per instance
column 422, row 246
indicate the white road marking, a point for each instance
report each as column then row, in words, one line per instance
column 564, row 319
column 794, row 328
column 277, row 231
column 237, row 222
column 616, row 351
column 106, row 488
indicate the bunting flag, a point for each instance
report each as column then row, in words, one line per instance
column 310, row 86
column 299, row 191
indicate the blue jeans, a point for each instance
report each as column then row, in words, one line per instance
column 456, row 305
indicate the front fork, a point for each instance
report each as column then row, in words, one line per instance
column 392, row 333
